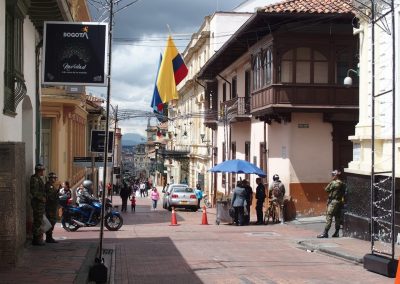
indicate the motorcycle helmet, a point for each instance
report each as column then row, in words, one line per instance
column 39, row 167
column 275, row 177
column 88, row 185
column 52, row 175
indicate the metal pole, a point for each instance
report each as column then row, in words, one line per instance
column 372, row 123
column 114, row 151
column 393, row 128
column 107, row 125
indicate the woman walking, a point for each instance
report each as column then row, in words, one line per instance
column 155, row 196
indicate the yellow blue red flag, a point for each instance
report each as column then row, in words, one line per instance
column 171, row 72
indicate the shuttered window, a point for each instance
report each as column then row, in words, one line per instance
column 14, row 84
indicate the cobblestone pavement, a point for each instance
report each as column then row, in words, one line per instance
column 148, row 250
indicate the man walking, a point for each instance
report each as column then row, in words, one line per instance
column 336, row 190
column 51, row 205
column 38, row 201
column 260, row 196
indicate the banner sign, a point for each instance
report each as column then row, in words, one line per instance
column 87, row 162
column 97, row 141
column 74, row 53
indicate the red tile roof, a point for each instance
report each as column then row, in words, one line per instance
column 310, row 6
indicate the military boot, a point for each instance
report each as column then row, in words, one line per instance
column 49, row 239
column 336, row 234
column 323, row 235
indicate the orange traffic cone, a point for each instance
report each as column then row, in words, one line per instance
column 173, row 218
column 204, row 219
column 397, row 280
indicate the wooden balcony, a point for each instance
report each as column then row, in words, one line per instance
column 211, row 118
column 279, row 98
column 238, row 109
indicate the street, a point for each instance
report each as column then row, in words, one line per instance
column 149, row 250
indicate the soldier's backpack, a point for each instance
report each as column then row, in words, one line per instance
column 276, row 190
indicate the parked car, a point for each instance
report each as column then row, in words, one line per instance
column 180, row 196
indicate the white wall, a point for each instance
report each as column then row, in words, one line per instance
column 9, row 125
column 223, row 26
column 300, row 154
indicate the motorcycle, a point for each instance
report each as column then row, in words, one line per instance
column 75, row 217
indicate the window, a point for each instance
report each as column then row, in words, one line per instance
column 267, row 67
column 234, row 87
column 233, row 151
column 247, row 155
column 304, row 65
column 257, row 70
column 262, row 156
column 14, row 86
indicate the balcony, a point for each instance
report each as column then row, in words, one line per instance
column 238, row 109
column 276, row 99
column 177, row 153
column 211, row 118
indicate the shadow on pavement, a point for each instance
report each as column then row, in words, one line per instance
column 151, row 260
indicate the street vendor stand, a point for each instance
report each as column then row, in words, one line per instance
column 236, row 166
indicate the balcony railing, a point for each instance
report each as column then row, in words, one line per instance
column 237, row 108
column 316, row 97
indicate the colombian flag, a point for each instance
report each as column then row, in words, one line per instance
column 171, row 72
column 156, row 102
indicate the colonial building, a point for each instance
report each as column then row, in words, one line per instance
column 191, row 140
column 21, row 31
column 278, row 87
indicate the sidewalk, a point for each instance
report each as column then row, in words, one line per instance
column 344, row 247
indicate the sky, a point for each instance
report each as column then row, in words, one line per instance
column 139, row 36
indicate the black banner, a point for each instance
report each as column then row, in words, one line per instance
column 74, row 53
column 98, row 141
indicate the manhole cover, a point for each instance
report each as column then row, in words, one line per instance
column 263, row 234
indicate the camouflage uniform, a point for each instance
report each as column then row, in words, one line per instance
column 336, row 190
column 38, row 201
column 51, row 207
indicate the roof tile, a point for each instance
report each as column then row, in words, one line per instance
column 311, row 7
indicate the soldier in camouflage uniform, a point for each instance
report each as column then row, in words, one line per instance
column 336, row 190
column 38, row 201
column 51, row 205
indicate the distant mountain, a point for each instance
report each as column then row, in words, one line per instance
column 130, row 139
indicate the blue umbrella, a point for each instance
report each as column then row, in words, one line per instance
column 237, row 166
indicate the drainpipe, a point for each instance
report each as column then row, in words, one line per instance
column 37, row 101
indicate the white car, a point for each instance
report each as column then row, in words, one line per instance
column 179, row 196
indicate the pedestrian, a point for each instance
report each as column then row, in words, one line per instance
column 109, row 189
column 336, row 190
column 171, row 180
column 51, row 205
column 142, row 188
column 155, row 196
column 249, row 201
column 124, row 193
column 277, row 193
column 133, row 203
column 199, row 195
column 65, row 193
column 260, row 196
column 38, row 203
column 238, row 200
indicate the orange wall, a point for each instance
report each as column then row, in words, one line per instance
column 309, row 199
